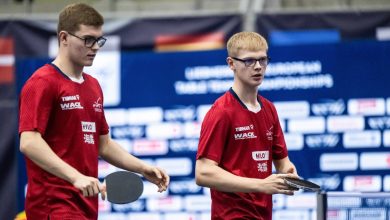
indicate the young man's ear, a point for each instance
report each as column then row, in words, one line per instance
column 230, row 62
column 63, row 37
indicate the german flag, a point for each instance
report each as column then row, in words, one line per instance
column 194, row 42
column 7, row 60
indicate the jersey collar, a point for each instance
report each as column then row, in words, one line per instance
column 239, row 100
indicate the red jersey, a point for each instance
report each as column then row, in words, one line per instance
column 70, row 118
column 243, row 143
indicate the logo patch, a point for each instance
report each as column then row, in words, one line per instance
column 71, row 102
column 247, row 132
column 260, row 155
column 88, row 126
column 97, row 106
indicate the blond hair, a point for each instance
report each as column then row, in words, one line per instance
column 73, row 15
column 250, row 41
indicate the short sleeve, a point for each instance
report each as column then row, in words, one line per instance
column 213, row 135
column 35, row 105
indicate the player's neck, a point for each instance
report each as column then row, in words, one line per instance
column 247, row 95
column 69, row 69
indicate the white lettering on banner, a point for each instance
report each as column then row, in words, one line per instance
column 322, row 140
column 88, row 126
column 339, row 162
column 328, row 107
column 260, row 155
column 128, row 132
column 386, row 138
column 208, row 72
column 165, row 130
column 192, row 129
column 116, row 117
column 304, row 200
column 371, row 213
column 293, row 109
column 301, row 82
column 310, row 125
column 374, row 106
column 350, row 202
column 362, row 183
column 147, row 115
column 184, row 145
column 184, row 186
column 327, row 182
column 142, row 216
column 345, row 123
column 202, row 111
column 181, row 166
column 386, row 183
column 171, row 203
column 388, row 105
column 375, row 161
column 151, row 192
column 136, row 206
column 197, row 203
column 142, row 147
column 294, row 141
column 294, row 68
column 281, row 75
column 362, row 139
column 288, row 214
column 180, row 114
column 379, row 123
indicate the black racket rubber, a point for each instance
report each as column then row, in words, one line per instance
column 302, row 184
column 123, row 187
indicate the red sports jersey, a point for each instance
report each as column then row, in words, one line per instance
column 243, row 143
column 70, row 118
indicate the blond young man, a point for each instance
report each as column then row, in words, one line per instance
column 63, row 129
column 240, row 139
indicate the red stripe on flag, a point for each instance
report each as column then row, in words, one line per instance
column 190, row 42
column 6, row 74
column 6, row 46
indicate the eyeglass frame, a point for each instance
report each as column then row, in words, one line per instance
column 263, row 61
column 95, row 40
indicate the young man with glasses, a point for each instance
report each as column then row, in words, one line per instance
column 240, row 139
column 63, row 129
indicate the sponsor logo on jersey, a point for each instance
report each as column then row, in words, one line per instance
column 88, row 126
column 270, row 133
column 260, row 155
column 71, row 102
column 97, row 105
column 247, row 134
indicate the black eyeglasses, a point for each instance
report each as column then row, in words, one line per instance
column 89, row 41
column 249, row 62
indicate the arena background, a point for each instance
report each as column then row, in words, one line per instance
column 328, row 78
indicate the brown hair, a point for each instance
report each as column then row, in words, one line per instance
column 246, row 41
column 73, row 15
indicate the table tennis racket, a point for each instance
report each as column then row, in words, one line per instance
column 123, row 187
column 302, row 184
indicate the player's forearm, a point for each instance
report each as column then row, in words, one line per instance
column 36, row 149
column 114, row 154
column 219, row 179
